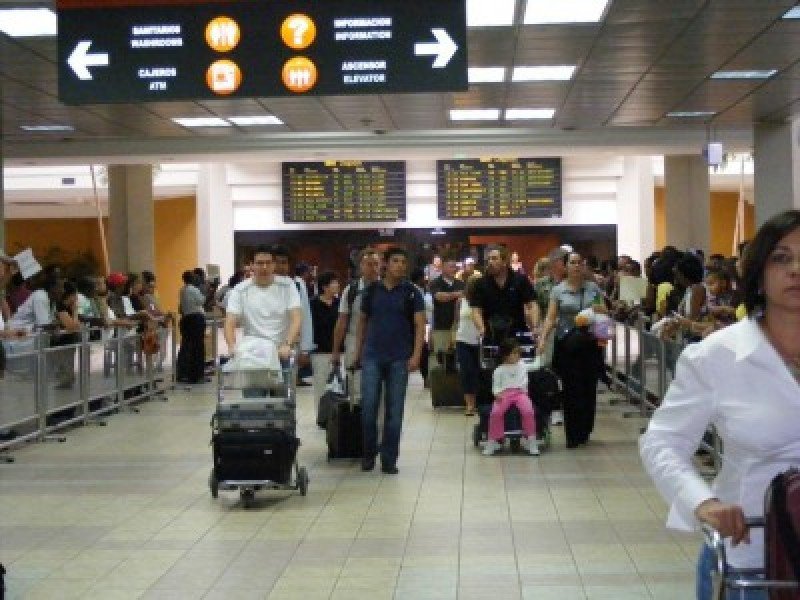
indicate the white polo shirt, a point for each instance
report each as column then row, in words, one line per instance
column 264, row 310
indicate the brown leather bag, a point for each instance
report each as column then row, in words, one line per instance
column 782, row 532
column 150, row 345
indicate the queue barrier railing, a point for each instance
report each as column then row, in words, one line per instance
column 642, row 368
column 49, row 387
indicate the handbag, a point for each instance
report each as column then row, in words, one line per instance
column 150, row 345
column 782, row 532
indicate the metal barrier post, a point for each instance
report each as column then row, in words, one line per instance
column 42, row 378
column 643, row 371
column 174, row 351
column 662, row 370
column 631, row 394
column 627, row 360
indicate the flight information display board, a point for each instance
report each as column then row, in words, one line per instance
column 344, row 191
column 159, row 50
column 507, row 188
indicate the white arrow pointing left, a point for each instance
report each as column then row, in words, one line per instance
column 80, row 60
column 443, row 48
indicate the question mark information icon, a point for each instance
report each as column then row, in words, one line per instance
column 298, row 31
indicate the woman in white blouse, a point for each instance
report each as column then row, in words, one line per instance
column 745, row 380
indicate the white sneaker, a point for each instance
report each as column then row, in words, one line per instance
column 491, row 447
column 531, row 445
column 557, row 417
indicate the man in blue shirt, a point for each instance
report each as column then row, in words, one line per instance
column 389, row 337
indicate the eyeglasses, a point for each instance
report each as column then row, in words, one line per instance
column 784, row 259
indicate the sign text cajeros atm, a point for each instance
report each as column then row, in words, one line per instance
column 143, row 50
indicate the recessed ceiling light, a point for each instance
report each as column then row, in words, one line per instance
column 494, row 13
column 539, row 12
column 475, row 114
column 691, row 113
column 792, row 13
column 486, row 74
column 201, row 122
column 28, row 22
column 514, row 114
column 543, row 73
column 254, row 121
column 750, row 74
column 47, row 127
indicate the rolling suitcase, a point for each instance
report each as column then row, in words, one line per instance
column 344, row 433
column 444, row 383
column 258, row 454
column 544, row 389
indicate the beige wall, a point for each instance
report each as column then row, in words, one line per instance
column 65, row 240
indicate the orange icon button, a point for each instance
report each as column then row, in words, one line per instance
column 223, row 34
column 298, row 31
column 299, row 74
column 223, row 77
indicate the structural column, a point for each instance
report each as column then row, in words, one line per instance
column 215, row 219
column 776, row 179
column 131, row 220
column 636, row 208
column 688, row 201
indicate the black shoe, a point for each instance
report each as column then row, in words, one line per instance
column 389, row 469
column 301, row 383
column 573, row 444
column 367, row 464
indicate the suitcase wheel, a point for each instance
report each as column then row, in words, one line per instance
column 213, row 484
column 302, row 480
column 248, row 497
column 476, row 435
column 515, row 444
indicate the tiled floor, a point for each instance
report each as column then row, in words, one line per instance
column 124, row 511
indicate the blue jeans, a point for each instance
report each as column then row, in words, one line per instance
column 705, row 564
column 374, row 376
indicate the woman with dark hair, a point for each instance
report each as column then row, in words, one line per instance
column 190, row 366
column 324, row 313
column 743, row 380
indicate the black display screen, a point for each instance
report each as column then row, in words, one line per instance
column 344, row 191
column 507, row 188
column 254, row 48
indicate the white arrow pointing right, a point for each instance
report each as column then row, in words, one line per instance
column 443, row 48
column 80, row 60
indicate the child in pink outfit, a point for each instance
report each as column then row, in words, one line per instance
column 510, row 387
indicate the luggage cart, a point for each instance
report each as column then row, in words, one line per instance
column 254, row 433
column 724, row 578
column 513, row 422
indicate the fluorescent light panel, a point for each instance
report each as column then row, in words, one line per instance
column 28, row 22
column 541, row 12
column 516, row 114
column 475, row 114
column 201, row 122
column 750, row 74
column 47, row 127
column 486, row 74
column 490, row 13
column 792, row 13
column 543, row 73
column 255, row 121
column 691, row 113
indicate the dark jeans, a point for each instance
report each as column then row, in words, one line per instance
column 468, row 358
column 374, row 376
column 705, row 563
column 191, row 356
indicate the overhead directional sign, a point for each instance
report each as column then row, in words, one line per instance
column 158, row 50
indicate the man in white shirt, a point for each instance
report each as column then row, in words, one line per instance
column 344, row 334
column 266, row 306
column 306, row 341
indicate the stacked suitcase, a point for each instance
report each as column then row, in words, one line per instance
column 255, row 444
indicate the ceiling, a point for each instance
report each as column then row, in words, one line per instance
column 644, row 59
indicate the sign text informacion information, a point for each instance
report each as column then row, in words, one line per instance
column 344, row 191
column 160, row 50
column 507, row 188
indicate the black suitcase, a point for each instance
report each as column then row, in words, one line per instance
column 344, row 433
column 445, row 387
column 544, row 390
column 326, row 403
column 254, row 455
